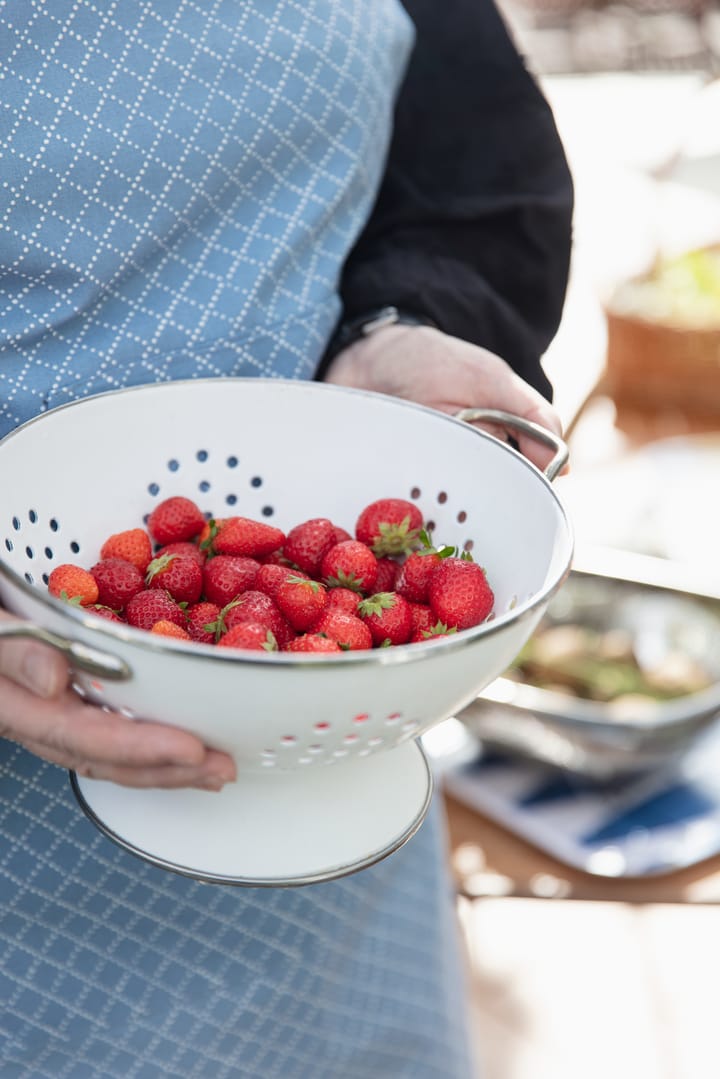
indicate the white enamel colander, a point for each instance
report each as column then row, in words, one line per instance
column 332, row 776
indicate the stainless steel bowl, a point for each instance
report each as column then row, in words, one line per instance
column 666, row 615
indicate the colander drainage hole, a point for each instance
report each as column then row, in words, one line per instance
column 9, row 545
column 32, row 516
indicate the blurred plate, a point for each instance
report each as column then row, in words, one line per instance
column 659, row 626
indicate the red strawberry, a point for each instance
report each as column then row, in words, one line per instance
column 271, row 575
column 387, row 574
column 186, row 548
column 226, row 576
column 343, row 599
column 459, row 593
column 349, row 631
column 247, row 538
column 388, row 617
column 133, row 545
column 253, row 606
column 174, row 519
column 301, row 601
column 73, row 584
column 275, row 558
column 439, row 629
column 207, row 534
column 341, row 534
column 165, row 628
column 422, row 617
column 413, row 580
column 390, row 526
column 350, row 564
column 151, row 606
column 182, row 577
column 307, row 544
column 105, row 612
column 250, row 635
column 118, row 581
column 312, row 642
column 202, row 620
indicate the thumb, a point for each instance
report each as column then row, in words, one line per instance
column 33, row 666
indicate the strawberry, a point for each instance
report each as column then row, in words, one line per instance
column 271, row 575
column 341, row 534
column 459, row 593
column 73, row 584
column 207, row 534
column 422, row 617
column 349, row 631
column 275, row 558
column 151, row 606
column 312, row 642
column 307, row 544
column 117, row 581
column 253, row 606
column 182, row 577
column 226, row 576
column 174, row 519
column 165, row 628
column 350, row 564
column 439, row 629
column 387, row 573
column 301, row 601
column 250, row 635
column 390, row 526
column 247, row 538
column 132, row 545
column 201, row 621
column 342, row 599
column 413, row 580
column 388, row 617
column 186, row 548
column 105, row 612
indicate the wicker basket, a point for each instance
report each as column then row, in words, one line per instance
column 657, row 362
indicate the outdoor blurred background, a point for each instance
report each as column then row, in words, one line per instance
column 595, row 951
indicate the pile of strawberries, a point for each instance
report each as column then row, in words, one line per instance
column 237, row 582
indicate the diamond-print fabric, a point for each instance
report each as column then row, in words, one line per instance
column 110, row 967
column 179, row 185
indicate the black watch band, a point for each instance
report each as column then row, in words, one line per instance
column 355, row 329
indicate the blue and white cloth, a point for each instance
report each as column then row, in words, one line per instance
column 179, row 186
column 635, row 825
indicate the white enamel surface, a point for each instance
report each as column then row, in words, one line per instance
column 74, row 476
column 273, row 830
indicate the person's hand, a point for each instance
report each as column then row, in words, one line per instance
column 39, row 710
column 423, row 364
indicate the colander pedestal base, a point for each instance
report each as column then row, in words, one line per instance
column 272, row 828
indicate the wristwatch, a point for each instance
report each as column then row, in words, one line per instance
column 355, row 329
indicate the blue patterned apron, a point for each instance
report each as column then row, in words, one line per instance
column 179, row 186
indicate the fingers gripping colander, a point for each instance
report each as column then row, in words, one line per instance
column 331, row 773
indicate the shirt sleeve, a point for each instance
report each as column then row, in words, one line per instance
column 471, row 227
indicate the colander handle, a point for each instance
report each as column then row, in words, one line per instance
column 86, row 659
column 527, row 427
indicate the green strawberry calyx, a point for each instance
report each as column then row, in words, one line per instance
column 381, row 601
column 395, row 538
